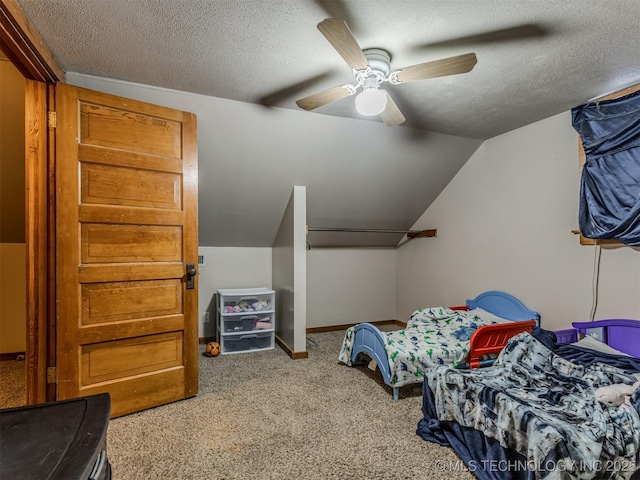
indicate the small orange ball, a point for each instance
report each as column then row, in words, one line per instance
column 212, row 350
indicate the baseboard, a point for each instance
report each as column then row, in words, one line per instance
column 291, row 353
column 328, row 328
column 11, row 356
column 334, row 328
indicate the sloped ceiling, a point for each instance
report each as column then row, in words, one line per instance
column 535, row 59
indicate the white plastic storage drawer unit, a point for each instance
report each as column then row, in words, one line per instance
column 245, row 320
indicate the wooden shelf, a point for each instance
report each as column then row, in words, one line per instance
column 595, row 241
column 423, row 233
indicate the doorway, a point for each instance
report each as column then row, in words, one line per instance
column 13, row 318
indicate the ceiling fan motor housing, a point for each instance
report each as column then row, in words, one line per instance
column 379, row 60
column 378, row 70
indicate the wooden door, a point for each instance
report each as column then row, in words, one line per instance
column 126, row 226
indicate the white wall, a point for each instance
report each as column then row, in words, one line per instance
column 13, row 298
column 350, row 285
column 300, row 269
column 344, row 286
column 504, row 222
column 228, row 267
column 289, row 277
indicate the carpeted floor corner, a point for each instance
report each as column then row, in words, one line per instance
column 262, row 415
column 12, row 383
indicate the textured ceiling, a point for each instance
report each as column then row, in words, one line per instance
column 535, row 58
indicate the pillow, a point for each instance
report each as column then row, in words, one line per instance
column 465, row 333
column 487, row 317
column 595, row 344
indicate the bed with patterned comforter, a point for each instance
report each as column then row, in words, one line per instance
column 433, row 336
column 541, row 408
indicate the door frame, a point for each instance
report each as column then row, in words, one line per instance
column 24, row 47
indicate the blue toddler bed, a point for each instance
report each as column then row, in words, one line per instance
column 458, row 336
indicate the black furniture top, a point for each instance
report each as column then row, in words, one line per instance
column 64, row 440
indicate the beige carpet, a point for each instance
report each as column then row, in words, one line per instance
column 264, row 416
column 12, row 383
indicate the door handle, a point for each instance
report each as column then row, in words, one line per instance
column 191, row 276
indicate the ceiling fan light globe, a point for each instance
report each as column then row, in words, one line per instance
column 371, row 101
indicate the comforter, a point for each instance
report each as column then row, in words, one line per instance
column 543, row 407
column 433, row 336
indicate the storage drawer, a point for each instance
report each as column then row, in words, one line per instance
column 239, row 323
column 237, row 343
column 259, row 300
column 245, row 319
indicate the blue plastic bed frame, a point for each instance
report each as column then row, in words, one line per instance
column 370, row 341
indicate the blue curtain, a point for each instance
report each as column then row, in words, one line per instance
column 610, row 183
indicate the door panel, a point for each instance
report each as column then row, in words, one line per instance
column 141, row 132
column 101, row 243
column 117, row 301
column 132, row 356
column 126, row 225
column 123, row 186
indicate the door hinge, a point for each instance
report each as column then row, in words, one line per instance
column 52, row 375
column 53, row 119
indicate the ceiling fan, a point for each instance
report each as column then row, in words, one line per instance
column 371, row 67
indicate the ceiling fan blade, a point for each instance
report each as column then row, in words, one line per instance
column 338, row 9
column 322, row 98
column 392, row 116
column 437, row 68
column 339, row 35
